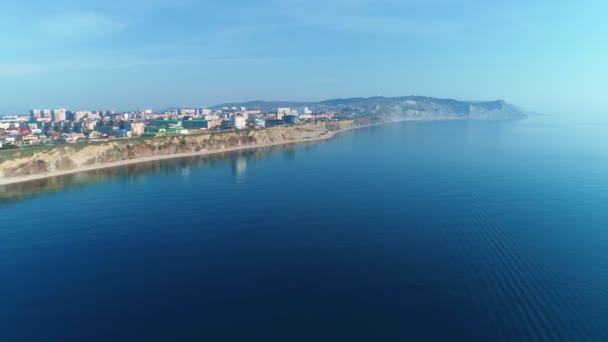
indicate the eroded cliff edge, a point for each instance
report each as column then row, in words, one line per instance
column 26, row 162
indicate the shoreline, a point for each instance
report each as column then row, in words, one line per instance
column 29, row 178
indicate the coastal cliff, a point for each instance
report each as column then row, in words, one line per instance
column 43, row 160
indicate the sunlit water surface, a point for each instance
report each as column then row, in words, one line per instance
column 455, row 231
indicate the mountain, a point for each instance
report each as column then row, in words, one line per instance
column 412, row 107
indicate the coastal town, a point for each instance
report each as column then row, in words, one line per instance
column 61, row 126
column 48, row 143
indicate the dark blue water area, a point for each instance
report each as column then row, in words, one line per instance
column 440, row 231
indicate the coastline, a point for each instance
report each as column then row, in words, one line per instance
column 28, row 178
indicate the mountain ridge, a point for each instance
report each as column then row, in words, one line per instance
column 421, row 107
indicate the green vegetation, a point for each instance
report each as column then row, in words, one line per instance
column 22, row 152
column 9, row 147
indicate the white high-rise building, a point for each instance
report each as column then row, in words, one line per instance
column 79, row 115
column 304, row 110
column 238, row 121
column 281, row 112
column 59, row 114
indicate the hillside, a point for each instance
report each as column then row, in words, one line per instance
column 407, row 107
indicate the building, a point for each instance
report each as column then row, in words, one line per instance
column 281, row 112
column 45, row 113
column 121, row 133
column 31, row 139
column 187, row 112
column 166, row 123
column 35, row 114
column 210, row 117
column 259, row 123
column 291, row 119
column 238, row 121
column 214, row 120
column 73, row 137
column 252, row 112
column 75, row 116
column 117, row 116
column 225, row 124
column 89, row 126
column 304, row 110
column 272, row 123
column 59, row 115
column 196, row 124
column 67, row 127
column 137, row 128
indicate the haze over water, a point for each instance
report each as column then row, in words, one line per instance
column 447, row 231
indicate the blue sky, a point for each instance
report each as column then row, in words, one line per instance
column 547, row 56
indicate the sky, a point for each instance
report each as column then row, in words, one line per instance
column 544, row 56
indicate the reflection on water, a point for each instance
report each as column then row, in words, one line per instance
column 178, row 166
column 239, row 167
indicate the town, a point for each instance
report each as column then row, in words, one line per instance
column 60, row 126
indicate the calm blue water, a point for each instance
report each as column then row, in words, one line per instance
column 414, row 231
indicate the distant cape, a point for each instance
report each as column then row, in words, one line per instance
column 420, row 107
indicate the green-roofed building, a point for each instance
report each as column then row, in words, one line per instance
column 163, row 123
column 154, row 131
column 174, row 130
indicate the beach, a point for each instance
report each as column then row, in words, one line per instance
column 21, row 179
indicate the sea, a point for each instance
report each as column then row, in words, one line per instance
column 412, row 231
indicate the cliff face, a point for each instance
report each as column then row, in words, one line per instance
column 65, row 157
column 433, row 109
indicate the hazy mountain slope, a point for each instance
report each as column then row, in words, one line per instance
column 401, row 107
